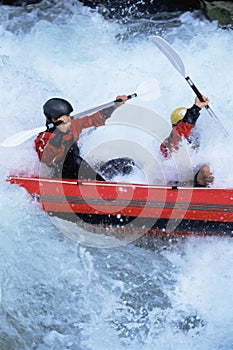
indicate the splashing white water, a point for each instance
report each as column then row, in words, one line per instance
column 55, row 294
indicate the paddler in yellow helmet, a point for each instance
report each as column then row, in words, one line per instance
column 183, row 121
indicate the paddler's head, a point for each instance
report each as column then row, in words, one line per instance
column 177, row 115
column 57, row 111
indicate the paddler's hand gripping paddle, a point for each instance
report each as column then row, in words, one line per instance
column 146, row 91
column 178, row 64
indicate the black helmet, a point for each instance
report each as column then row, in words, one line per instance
column 55, row 107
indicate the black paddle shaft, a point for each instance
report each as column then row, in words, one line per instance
column 210, row 111
column 195, row 89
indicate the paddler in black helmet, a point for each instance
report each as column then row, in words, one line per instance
column 57, row 146
column 183, row 122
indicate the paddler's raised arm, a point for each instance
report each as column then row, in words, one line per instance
column 107, row 112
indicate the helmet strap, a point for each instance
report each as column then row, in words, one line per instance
column 58, row 123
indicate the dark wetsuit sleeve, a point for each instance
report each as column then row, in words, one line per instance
column 107, row 112
column 192, row 115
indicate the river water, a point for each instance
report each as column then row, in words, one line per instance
column 152, row 293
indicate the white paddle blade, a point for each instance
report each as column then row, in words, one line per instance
column 149, row 90
column 170, row 53
column 21, row 137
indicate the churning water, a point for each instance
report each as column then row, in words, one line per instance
column 150, row 294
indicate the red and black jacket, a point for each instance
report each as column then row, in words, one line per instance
column 52, row 145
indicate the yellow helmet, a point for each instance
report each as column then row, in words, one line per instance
column 177, row 115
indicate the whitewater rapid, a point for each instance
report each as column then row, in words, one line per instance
column 151, row 294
